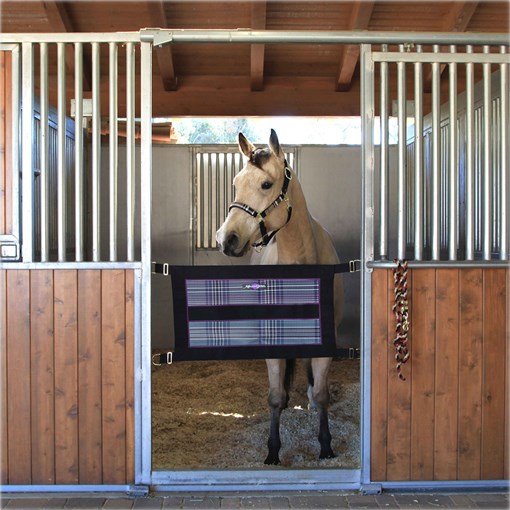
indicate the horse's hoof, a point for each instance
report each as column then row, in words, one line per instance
column 272, row 461
column 327, row 455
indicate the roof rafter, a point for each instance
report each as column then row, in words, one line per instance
column 359, row 20
column 59, row 21
column 156, row 10
column 457, row 21
column 258, row 22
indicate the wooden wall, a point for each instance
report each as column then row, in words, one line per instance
column 67, row 376
column 450, row 419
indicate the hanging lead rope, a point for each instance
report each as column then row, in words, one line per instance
column 401, row 311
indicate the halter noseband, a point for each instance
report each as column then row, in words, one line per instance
column 266, row 237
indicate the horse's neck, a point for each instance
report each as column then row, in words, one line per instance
column 296, row 241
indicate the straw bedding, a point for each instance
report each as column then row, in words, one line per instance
column 214, row 414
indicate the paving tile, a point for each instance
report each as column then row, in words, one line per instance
column 322, row 501
column 148, row 502
column 118, row 504
column 262, row 502
column 201, row 502
column 172, row 502
column 279, row 503
column 386, row 501
column 230, row 502
column 362, row 502
column 462, row 501
column 85, row 503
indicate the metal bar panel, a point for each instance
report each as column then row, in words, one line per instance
column 442, row 58
column 436, row 160
column 15, row 145
column 430, row 264
column 454, row 162
column 487, row 160
column 44, row 159
column 402, row 159
column 61, row 153
column 384, row 162
column 418, row 159
column 367, row 249
column 146, row 211
column 83, row 37
column 130, row 149
column 470, row 160
column 78, row 156
column 113, row 147
column 26, row 151
column 504, row 146
column 96, row 152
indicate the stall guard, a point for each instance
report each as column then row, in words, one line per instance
column 438, row 428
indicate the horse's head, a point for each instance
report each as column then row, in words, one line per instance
column 260, row 187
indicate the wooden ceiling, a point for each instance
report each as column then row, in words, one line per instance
column 242, row 80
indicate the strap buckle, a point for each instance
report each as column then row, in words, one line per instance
column 157, row 358
column 354, row 266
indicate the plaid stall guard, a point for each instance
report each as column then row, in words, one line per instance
column 239, row 312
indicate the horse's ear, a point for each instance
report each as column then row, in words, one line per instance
column 245, row 146
column 275, row 144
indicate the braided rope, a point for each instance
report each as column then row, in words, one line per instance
column 401, row 311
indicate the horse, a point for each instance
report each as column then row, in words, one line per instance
column 259, row 219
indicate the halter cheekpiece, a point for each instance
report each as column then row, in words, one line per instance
column 266, row 237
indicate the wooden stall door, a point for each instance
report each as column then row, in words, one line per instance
column 447, row 420
column 67, row 376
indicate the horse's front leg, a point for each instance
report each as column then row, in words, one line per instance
column 320, row 395
column 277, row 400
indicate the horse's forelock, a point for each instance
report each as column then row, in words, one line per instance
column 260, row 156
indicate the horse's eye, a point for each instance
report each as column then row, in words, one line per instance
column 267, row 185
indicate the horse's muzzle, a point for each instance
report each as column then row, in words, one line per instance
column 231, row 246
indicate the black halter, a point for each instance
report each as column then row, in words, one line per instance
column 266, row 237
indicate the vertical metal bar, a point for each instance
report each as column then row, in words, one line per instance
column 367, row 246
column 61, row 153
column 15, row 145
column 454, row 161
column 505, row 142
column 130, row 150
column 384, row 162
column 436, row 159
column 402, row 158
column 96, row 152
column 470, row 160
column 146, row 212
column 78, row 155
column 487, row 153
column 113, row 149
column 44, row 175
column 418, row 159
column 26, row 151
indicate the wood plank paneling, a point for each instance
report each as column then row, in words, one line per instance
column 4, row 442
column 459, row 358
column 42, row 382
column 130, row 375
column 446, row 374
column 422, row 336
column 89, row 376
column 379, row 387
column 470, row 373
column 493, row 398
column 66, row 377
column 19, row 448
column 113, row 367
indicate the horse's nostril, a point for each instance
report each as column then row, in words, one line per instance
column 232, row 241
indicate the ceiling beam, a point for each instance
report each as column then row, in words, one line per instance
column 59, row 21
column 457, row 20
column 359, row 20
column 156, row 10
column 258, row 22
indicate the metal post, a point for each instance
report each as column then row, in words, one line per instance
column 418, row 159
column 505, row 142
column 487, row 159
column 402, row 158
column 113, row 149
column 44, row 176
column 454, row 162
column 146, row 211
column 130, row 150
column 78, row 157
column 470, row 160
column 436, row 159
column 96, row 152
column 61, row 153
column 15, row 145
column 384, row 162
column 27, row 152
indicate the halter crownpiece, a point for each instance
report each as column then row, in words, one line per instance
column 266, row 237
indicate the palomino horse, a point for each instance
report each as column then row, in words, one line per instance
column 269, row 200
